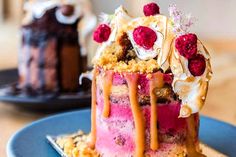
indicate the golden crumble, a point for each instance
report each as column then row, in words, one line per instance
column 109, row 62
column 76, row 145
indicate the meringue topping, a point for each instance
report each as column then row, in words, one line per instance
column 191, row 90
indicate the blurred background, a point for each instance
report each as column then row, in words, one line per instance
column 215, row 26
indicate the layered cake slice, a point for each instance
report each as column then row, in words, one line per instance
column 50, row 57
column 150, row 80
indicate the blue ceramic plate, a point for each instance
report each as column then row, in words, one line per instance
column 31, row 141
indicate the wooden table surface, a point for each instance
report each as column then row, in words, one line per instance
column 220, row 104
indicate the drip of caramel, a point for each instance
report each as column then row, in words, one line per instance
column 190, row 140
column 156, row 81
column 132, row 80
column 107, row 83
column 93, row 115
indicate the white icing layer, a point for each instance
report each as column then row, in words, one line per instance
column 88, row 75
column 68, row 19
column 38, row 8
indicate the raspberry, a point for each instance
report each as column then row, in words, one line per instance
column 151, row 9
column 197, row 65
column 187, row 45
column 144, row 37
column 102, row 33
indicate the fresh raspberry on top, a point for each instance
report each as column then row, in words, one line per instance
column 187, row 45
column 197, row 65
column 102, row 33
column 151, row 9
column 144, row 37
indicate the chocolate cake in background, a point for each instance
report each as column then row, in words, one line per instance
column 50, row 59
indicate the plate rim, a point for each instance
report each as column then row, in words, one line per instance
column 11, row 140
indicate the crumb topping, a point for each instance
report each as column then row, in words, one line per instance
column 133, row 65
column 76, row 145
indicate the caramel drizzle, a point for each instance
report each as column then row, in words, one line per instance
column 93, row 115
column 132, row 80
column 191, row 135
column 107, row 83
column 155, row 82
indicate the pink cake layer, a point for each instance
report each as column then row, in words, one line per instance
column 116, row 134
column 118, row 79
column 143, row 81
